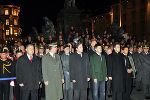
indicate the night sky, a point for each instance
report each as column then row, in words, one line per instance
column 32, row 13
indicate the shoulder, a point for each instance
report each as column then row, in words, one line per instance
column 45, row 56
column 21, row 58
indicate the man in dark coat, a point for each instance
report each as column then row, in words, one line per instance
column 28, row 74
column 79, row 72
column 145, row 63
column 128, row 74
column 118, row 70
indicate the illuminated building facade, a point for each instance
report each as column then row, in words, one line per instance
column 9, row 22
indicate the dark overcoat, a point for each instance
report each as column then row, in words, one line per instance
column 79, row 70
column 28, row 73
column 117, row 71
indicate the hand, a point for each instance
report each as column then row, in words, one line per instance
column 68, row 73
column 39, row 83
column 21, row 85
column 63, row 81
column 74, row 81
column 129, row 71
column 95, row 80
column 88, row 79
column 46, row 83
column 12, row 83
column 110, row 78
column 106, row 79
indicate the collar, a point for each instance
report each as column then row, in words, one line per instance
column 29, row 56
column 79, row 54
column 99, row 54
column 51, row 54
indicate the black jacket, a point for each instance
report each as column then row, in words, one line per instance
column 79, row 70
column 118, row 71
column 7, row 68
column 28, row 73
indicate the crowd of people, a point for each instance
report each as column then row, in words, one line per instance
column 82, row 66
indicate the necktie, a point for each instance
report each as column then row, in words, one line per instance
column 30, row 58
column 101, row 57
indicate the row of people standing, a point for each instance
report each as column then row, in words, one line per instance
column 76, row 69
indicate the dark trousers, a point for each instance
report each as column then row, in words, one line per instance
column 109, row 87
column 4, row 90
column 117, row 95
column 68, row 94
column 41, row 91
column 25, row 94
column 80, row 94
column 99, row 90
column 17, row 92
column 128, row 88
column 90, row 89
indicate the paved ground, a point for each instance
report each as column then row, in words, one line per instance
column 136, row 95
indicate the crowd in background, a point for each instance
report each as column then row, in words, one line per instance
column 122, row 65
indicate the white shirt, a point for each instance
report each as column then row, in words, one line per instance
column 29, row 57
column 80, row 54
column 53, row 55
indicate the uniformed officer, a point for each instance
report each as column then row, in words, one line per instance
column 6, row 71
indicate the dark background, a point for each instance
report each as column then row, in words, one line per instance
column 32, row 12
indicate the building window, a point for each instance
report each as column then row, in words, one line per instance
column 7, row 21
column 7, row 32
column 11, row 30
column 15, row 32
column 6, row 12
column 15, row 12
column 15, row 22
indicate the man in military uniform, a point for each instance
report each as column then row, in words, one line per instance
column 42, row 86
column 52, row 74
column 41, row 51
column 17, row 88
column 6, row 71
column 138, row 68
column 145, row 63
column 68, row 85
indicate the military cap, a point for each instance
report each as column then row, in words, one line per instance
column 4, row 51
column 146, row 47
column 53, row 44
column 140, row 46
column 18, row 51
column 41, row 47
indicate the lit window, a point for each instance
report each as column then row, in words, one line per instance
column 7, row 21
column 11, row 30
column 15, row 32
column 6, row 12
column 7, row 32
column 15, row 13
column 15, row 22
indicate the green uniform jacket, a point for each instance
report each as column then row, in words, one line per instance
column 53, row 73
column 98, row 67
